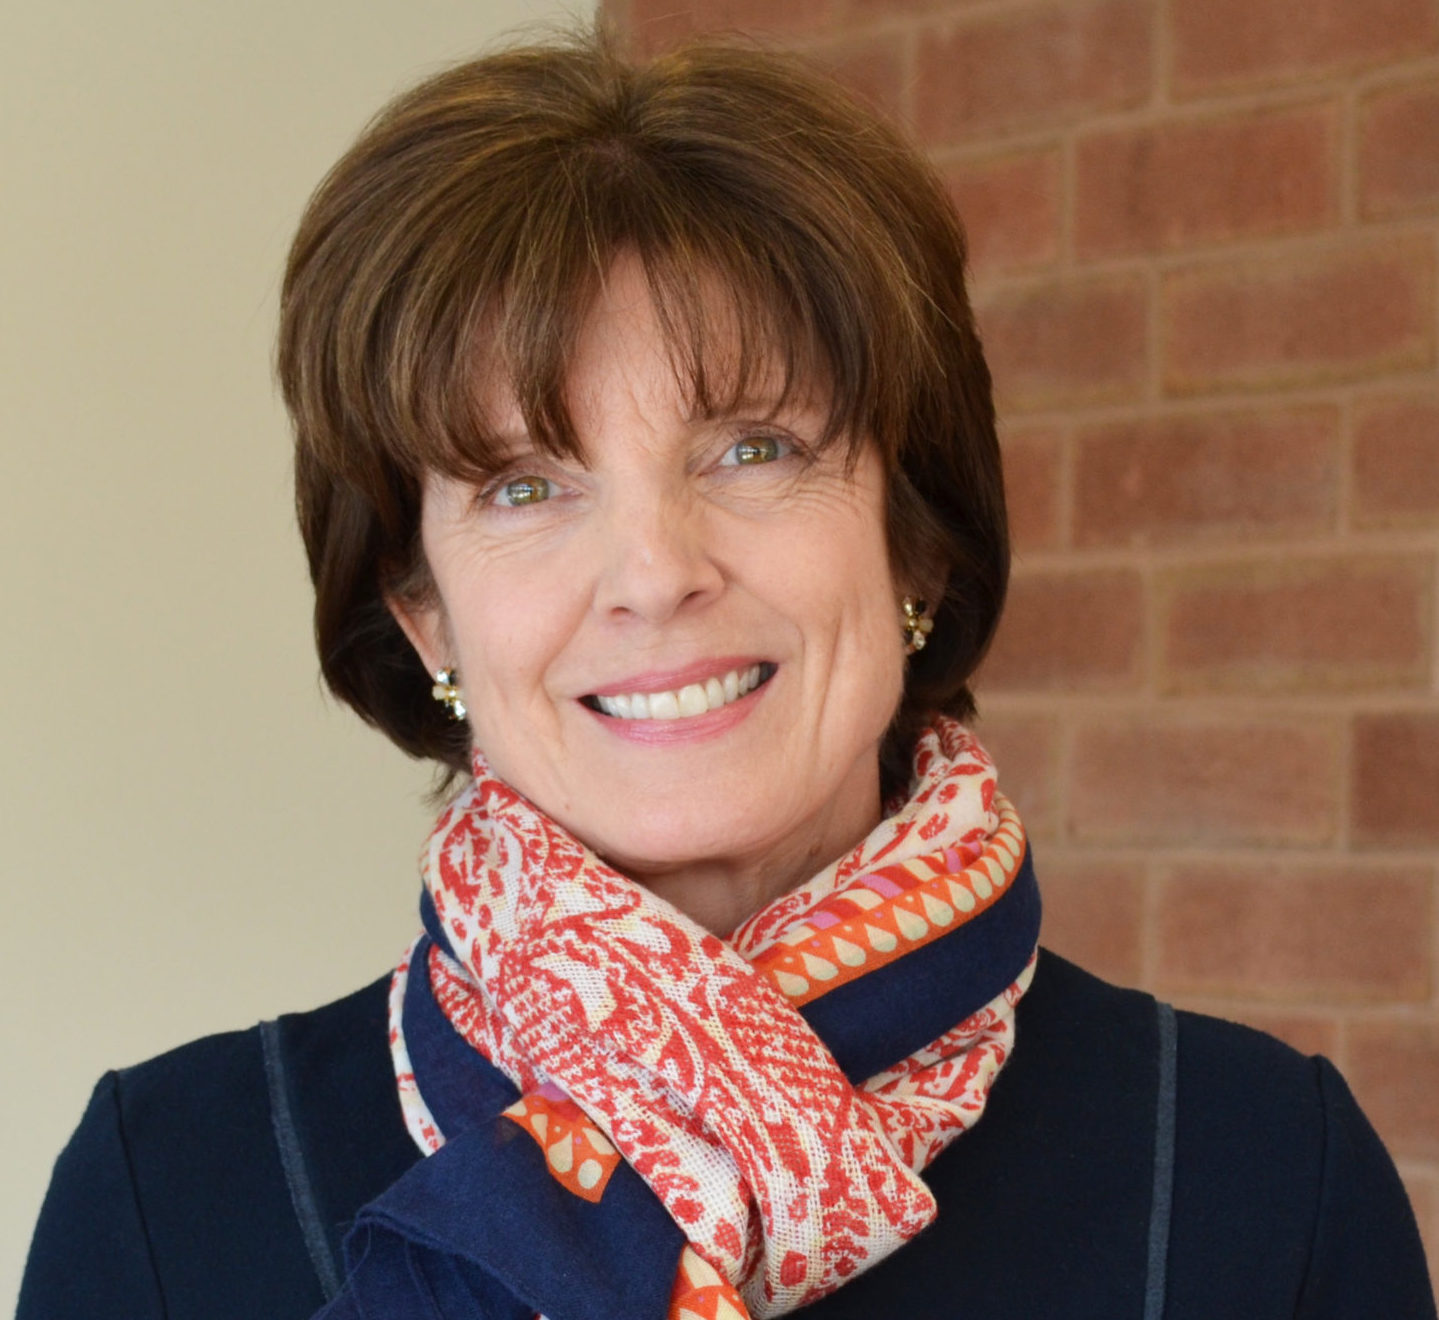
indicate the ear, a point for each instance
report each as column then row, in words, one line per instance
column 929, row 588
column 424, row 625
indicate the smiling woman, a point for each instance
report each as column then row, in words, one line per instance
column 676, row 555
column 639, row 412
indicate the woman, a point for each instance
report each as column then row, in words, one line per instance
column 639, row 412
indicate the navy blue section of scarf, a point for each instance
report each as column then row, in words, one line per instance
column 481, row 1231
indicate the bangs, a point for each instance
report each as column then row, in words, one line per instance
column 796, row 249
column 750, row 316
column 474, row 256
column 788, row 240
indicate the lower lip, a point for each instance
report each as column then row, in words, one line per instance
column 693, row 728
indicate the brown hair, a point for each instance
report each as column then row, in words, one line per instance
column 474, row 219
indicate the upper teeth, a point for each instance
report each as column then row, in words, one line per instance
column 692, row 699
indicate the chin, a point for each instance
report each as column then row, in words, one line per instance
column 676, row 842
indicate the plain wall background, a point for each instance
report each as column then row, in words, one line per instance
column 193, row 836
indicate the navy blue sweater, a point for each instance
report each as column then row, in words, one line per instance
column 172, row 1201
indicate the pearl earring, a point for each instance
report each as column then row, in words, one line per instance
column 917, row 624
column 447, row 693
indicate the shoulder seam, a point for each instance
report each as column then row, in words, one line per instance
column 1162, row 1199
column 115, row 1079
column 292, row 1160
column 1316, row 1064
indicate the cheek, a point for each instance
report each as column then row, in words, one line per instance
column 509, row 717
column 881, row 660
column 509, row 633
column 861, row 559
column 500, row 653
column 882, row 637
column 862, row 614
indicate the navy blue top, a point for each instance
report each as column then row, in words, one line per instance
column 171, row 1201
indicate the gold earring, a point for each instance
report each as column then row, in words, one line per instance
column 448, row 695
column 917, row 624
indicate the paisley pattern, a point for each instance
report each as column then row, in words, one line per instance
column 615, row 1014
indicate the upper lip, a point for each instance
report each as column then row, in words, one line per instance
column 671, row 680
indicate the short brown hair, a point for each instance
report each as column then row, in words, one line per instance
column 476, row 216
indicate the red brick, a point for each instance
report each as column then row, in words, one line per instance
column 1025, row 748
column 1223, row 42
column 1297, row 624
column 1034, row 62
column 766, row 15
column 1011, row 208
column 1342, row 314
column 655, row 25
column 1186, row 182
column 1170, row 782
column 1068, row 631
column 873, row 65
column 1033, row 465
column 868, row 10
column 1067, row 342
column 1207, row 475
column 793, row 16
column 1093, row 914
column 1396, row 460
column 1335, row 933
column 1396, row 779
column 1399, row 151
column 1394, row 1070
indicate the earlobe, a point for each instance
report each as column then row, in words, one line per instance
column 424, row 626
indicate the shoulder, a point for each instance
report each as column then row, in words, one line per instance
column 213, row 1102
column 173, row 1184
column 209, row 1080
column 1071, row 1012
column 1277, row 1165
column 1283, row 1199
column 298, row 1114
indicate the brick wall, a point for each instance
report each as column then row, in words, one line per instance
column 1204, row 247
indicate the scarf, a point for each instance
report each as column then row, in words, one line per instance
column 627, row 1115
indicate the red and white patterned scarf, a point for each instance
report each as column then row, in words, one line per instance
column 632, row 1032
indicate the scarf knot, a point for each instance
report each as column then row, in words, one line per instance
column 778, row 1093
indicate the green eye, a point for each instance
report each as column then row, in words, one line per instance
column 757, row 449
column 523, row 490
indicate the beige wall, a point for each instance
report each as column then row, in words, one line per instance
column 193, row 837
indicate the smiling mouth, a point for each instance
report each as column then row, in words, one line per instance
column 686, row 702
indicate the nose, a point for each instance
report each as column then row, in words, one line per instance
column 657, row 559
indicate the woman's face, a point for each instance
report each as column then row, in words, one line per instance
column 688, row 558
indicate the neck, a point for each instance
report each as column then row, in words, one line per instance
column 720, row 893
